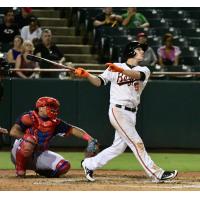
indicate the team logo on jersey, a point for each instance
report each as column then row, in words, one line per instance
column 123, row 79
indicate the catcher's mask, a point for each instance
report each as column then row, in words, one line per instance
column 52, row 106
column 129, row 51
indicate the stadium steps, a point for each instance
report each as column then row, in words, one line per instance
column 65, row 37
column 81, row 58
column 46, row 13
column 60, row 39
column 76, row 49
column 65, row 31
column 53, row 22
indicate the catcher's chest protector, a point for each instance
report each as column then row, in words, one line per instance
column 43, row 129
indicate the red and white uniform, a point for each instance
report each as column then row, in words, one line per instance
column 43, row 129
column 125, row 93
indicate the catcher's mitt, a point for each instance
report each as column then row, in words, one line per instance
column 92, row 148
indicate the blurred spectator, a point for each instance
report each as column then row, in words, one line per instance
column 47, row 49
column 168, row 54
column 15, row 51
column 150, row 58
column 8, row 30
column 31, row 31
column 106, row 19
column 23, row 63
column 22, row 18
column 133, row 19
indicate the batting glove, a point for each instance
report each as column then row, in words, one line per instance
column 114, row 68
column 80, row 72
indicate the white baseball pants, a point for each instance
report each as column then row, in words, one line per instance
column 125, row 135
column 46, row 160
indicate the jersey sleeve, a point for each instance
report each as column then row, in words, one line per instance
column 106, row 76
column 146, row 71
column 63, row 129
column 24, row 121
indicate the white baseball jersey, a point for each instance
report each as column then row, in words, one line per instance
column 124, row 90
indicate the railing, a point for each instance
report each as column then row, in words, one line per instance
column 98, row 71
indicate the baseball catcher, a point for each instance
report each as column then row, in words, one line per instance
column 33, row 131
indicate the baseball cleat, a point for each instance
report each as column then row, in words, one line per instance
column 21, row 173
column 169, row 175
column 88, row 173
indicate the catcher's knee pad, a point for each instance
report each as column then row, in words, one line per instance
column 61, row 168
column 23, row 152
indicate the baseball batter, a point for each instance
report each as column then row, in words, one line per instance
column 127, row 83
column 33, row 131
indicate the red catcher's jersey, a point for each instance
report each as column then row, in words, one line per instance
column 44, row 129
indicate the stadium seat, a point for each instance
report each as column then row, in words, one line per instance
column 135, row 31
column 149, row 13
column 173, row 14
column 190, row 32
column 189, row 51
column 158, row 23
column 179, row 68
column 194, row 41
column 181, row 42
column 154, row 41
column 161, row 31
column 194, row 14
column 196, row 69
column 189, row 60
column 156, row 68
column 182, row 23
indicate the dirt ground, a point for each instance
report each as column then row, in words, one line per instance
column 105, row 181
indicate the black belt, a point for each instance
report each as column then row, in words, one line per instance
column 126, row 108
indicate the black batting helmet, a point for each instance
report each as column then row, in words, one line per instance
column 129, row 51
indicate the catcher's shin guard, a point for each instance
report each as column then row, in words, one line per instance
column 24, row 151
column 61, row 168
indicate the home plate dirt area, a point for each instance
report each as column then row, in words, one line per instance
column 106, row 180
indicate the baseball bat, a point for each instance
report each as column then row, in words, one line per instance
column 39, row 59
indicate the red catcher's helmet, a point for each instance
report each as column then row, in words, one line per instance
column 52, row 106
